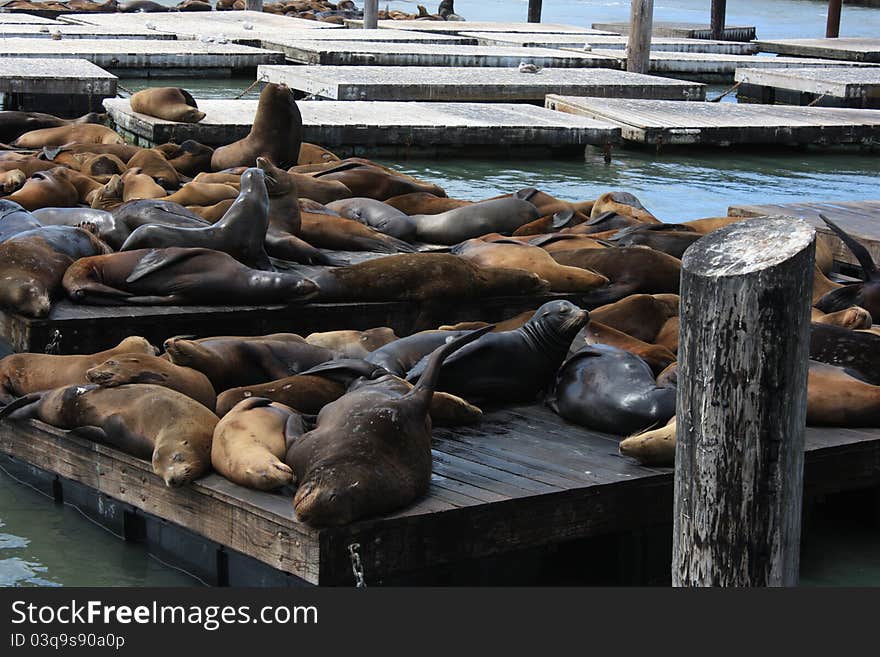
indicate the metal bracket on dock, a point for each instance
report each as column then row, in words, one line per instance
column 356, row 566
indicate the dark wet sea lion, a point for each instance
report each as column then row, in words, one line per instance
column 353, row 344
column 168, row 103
column 150, row 422
column 865, row 294
column 422, row 277
column 22, row 374
column 496, row 216
column 147, row 368
column 856, row 351
column 377, row 215
column 306, row 393
column 45, row 189
column 610, row 390
column 179, row 276
column 235, row 361
column 276, row 133
column 400, row 356
column 33, row 263
column 240, row 233
column 656, row 236
column 370, row 452
column 14, row 219
column 512, row 366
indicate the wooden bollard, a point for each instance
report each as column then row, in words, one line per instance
column 253, row 5
column 742, row 401
column 371, row 14
column 638, row 44
column 534, row 13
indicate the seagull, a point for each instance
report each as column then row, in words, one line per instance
column 525, row 67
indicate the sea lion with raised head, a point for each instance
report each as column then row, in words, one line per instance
column 168, row 103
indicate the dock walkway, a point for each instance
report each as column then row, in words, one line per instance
column 854, row 49
column 662, row 122
column 850, row 87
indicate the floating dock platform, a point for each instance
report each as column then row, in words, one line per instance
column 575, row 41
column 69, row 31
column 662, row 122
column 853, row 49
column 475, row 83
column 65, row 87
column 521, row 480
column 18, row 18
column 861, row 219
column 684, row 30
column 144, row 57
column 366, row 53
column 827, row 87
column 456, row 27
column 252, row 21
column 385, row 127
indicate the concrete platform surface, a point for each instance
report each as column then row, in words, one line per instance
column 55, row 76
column 576, row 41
column 840, row 82
column 858, row 49
column 454, row 27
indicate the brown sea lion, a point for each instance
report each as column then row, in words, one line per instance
column 424, row 203
column 45, row 189
column 375, row 182
column 83, row 184
column 212, row 213
column 189, row 158
column 313, row 154
column 100, row 167
column 153, row 163
column 655, row 447
column 276, row 133
column 533, row 259
column 642, row 316
column 551, row 222
column 15, row 123
column 710, row 224
column 13, row 180
column 622, row 203
column 660, row 237
column 853, row 318
column 86, row 133
column 221, row 177
column 658, row 357
column 22, row 374
column 353, row 344
column 315, row 189
column 306, row 393
column 328, row 231
column 137, row 186
column 147, row 368
column 168, row 103
column 194, row 193
column 370, row 452
column 149, row 422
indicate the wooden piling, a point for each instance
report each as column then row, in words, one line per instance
column 832, row 25
column 253, row 5
column 718, row 18
column 535, row 11
column 742, row 398
column 371, row 14
column 638, row 46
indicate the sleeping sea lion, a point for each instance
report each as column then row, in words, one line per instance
column 168, row 103
column 353, row 344
column 495, row 216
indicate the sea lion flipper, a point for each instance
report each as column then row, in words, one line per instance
column 159, row 259
column 841, row 298
column 562, row 219
column 25, row 402
column 95, row 434
column 859, row 251
column 601, row 217
column 346, row 370
column 294, row 427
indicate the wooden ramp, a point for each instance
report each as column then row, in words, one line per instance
column 609, row 42
column 149, row 56
column 355, row 53
column 684, row 30
column 456, row 27
column 475, row 83
column 861, row 219
column 384, row 127
column 855, row 49
column 522, row 478
column 663, row 122
column 852, row 87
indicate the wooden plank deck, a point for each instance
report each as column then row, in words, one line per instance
column 442, row 83
column 76, row 77
column 684, row 30
column 355, row 53
column 577, row 41
column 861, row 219
column 455, row 27
column 395, row 127
column 857, row 49
column 855, row 87
column 151, row 56
column 522, row 478
column 724, row 124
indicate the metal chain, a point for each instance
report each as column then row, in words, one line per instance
column 356, row 566
column 54, row 345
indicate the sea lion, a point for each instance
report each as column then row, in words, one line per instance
column 14, row 219
column 240, row 233
column 168, row 103
column 512, row 366
column 236, row 361
column 147, row 368
column 372, row 181
column 530, row 258
column 306, row 393
column 865, row 294
column 153, row 163
column 189, row 158
column 660, row 237
column 138, row 186
column 22, row 374
column 853, row 318
column 179, row 276
column 658, row 357
column 13, row 180
column 401, row 355
column 353, row 344
column 328, row 231
column 422, row 277
column 84, row 133
column 655, row 447
column 32, row 264
column 630, row 269
column 424, row 203
column 250, row 441
column 313, row 154
column 83, row 184
column 149, row 422
column 314, row 189
column 551, row 222
column 856, row 351
column 610, row 390
column 710, row 224
column 194, row 193
column 622, row 203
column 13, row 124
column 45, row 189
column 276, row 133
column 547, row 204
column 642, row 316
column 377, row 215
column 370, row 452
column 496, row 216
column 100, row 167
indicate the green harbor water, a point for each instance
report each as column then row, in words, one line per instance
column 45, row 544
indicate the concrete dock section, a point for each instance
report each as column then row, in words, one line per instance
column 576, row 41
column 474, row 83
column 64, row 87
column 455, row 27
column 856, row 49
column 70, row 31
column 684, row 30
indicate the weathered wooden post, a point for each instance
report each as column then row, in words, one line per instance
column 371, row 14
column 718, row 18
column 832, row 25
column 253, row 5
column 535, row 11
column 638, row 45
column 742, row 398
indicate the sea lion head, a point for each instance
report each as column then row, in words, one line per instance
column 330, row 496
column 252, row 180
column 124, row 369
column 26, row 297
column 557, row 322
column 13, row 180
column 193, row 115
column 278, row 182
column 172, row 460
column 181, row 350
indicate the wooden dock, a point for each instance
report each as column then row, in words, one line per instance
column 576, row 41
column 684, row 30
column 367, row 53
column 832, row 87
column 854, row 49
column 662, row 122
column 861, row 219
column 144, row 56
column 475, row 83
column 522, row 479
column 455, row 27
column 476, row 129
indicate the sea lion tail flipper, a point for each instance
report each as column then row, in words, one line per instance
column 859, row 251
column 294, row 428
column 21, row 403
column 159, row 259
column 346, row 370
column 841, row 298
column 562, row 219
column 525, row 194
column 423, row 391
column 600, row 217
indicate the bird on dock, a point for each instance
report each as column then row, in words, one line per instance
column 525, row 67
